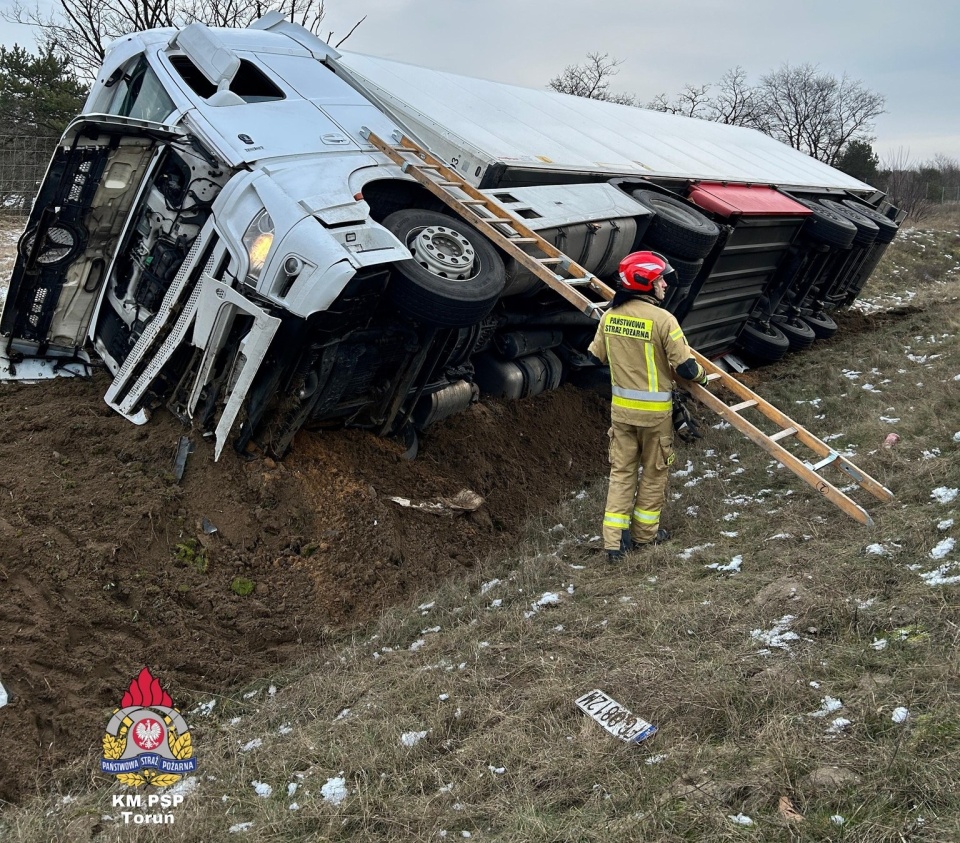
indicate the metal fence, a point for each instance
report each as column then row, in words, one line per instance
column 23, row 164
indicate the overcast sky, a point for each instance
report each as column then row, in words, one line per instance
column 908, row 52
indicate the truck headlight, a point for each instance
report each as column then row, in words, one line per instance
column 257, row 240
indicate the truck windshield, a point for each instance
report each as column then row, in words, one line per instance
column 139, row 94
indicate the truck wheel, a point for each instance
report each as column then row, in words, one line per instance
column 888, row 228
column 798, row 333
column 677, row 229
column 867, row 229
column 455, row 275
column 687, row 271
column 821, row 324
column 827, row 226
column 764, row 342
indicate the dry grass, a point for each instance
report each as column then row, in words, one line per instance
column 491, row 681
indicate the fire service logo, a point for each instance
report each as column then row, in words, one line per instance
column 147, row 740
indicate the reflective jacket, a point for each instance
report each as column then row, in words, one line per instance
column 641, row 342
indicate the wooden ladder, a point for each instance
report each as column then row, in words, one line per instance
column 568, row 278
column 488, row 216
column 808, row 472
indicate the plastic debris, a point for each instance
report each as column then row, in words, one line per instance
column 208, row 526
column 462, row 501
column 3, row 696
column 891, row 439
column 184, row 449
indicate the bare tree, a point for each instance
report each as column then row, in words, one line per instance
column 814, row 111
column 736, row 103
column 82, row 29
column 904, row 186
column 692, row 101
column 591, row 79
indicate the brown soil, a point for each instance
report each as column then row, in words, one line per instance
column 105, row 565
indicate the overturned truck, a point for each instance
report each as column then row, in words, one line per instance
column 217, row 229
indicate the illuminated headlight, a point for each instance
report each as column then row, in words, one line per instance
column 257, row 240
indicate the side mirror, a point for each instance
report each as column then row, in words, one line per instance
column 217, row 62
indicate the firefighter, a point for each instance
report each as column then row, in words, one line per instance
column 641, row 343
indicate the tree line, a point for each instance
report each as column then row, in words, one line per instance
column 826, row 116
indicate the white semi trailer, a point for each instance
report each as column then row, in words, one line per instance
column 216, row 228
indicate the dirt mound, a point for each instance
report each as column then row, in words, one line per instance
column 108, row 564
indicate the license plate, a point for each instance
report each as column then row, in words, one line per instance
column 614, row 718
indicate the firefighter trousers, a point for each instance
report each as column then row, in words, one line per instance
column 629, row 507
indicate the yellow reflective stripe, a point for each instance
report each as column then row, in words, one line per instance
column 652, row 380
column 628, row 326
column 648, row 406
column 647, row 516
column 615, row 519
column 676, row 333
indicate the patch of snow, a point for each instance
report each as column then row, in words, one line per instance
column 836, row 819
column 686, row 554
column 740, row 819
column 684, row 472
column 828, row 705
column 234, row 829
column 939, row 576
column 655, row 759
column 900, row 714
column 285, row 729
column 946, row 524
column 944, row 495
column 879, row 644
column 732, row 567
column 839, row 725
column 412, row 738
column 416, row 645
column 256, row 743
column 488, row 585
column 889, row 419
column 262, row 788
column 334, row 790
column 184, row 787
column 876, row 550
column 779, row 636
column 943, row 548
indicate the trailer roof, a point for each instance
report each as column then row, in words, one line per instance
column 542, row 129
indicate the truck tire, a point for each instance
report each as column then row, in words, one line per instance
column 677, row 229
column 687, row 271
column 764, row 342
column 828, row 226
column 430, row 287
column 820, row 323
column 888, row 228
column 867, row 230
column 798, row 333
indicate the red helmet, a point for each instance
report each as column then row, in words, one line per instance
column 639, row 270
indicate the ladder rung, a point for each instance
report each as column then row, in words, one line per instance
column 450, row 184
column 473, row 201
column 523, row 239
column 825, row 461
column 545, row 261
column 498, row 220
column 736, row 408
column 783, row 434
column 714, row 376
